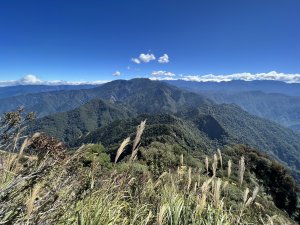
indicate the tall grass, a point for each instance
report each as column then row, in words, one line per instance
column 54, row 190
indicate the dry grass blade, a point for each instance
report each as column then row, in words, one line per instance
column 181, row 159
column 148, row 218
column 23, row 146
column 195, row 186
column 246, row 195
column 255, row 192
column 122, row 148
column 217, row 189
column 216, row 160
column 31, row 199
column 242, row 169
column 189, row 178
column 220, row 157
column 139, row 131
column 161, row 215
column 229, row 168
column 214, row 168
column 206, row 164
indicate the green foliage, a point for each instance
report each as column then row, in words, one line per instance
column 76, row 123
column 279, row 108
column 96, row 154
column 242, row 128
column 276, row 179
column 60, row 190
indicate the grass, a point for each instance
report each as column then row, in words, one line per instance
column 47, row 189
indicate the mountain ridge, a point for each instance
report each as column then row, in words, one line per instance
column 220, row 122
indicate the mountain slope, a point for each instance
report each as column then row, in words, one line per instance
column 217, row 125
column 12, row 91
column 221, row 124
column 137, row 93
column 242, row 127
column 73, row 124
column 162, row 128
column 280, row 108
column 240, row 86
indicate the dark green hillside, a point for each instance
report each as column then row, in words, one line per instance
column 229, row 124
column 162, row 128
column 279, row 108
column 276, row 101
column 73, row 124
column 241, row 127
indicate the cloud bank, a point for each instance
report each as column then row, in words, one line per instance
column 165, row 75
column 34, row 80
column 271, row 76
column 162, row 73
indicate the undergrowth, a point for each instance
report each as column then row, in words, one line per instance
column 44, row 183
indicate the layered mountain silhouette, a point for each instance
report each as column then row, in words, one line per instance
column 18, row 90
column 273, row 100
column 136, row 92
column 207, row 124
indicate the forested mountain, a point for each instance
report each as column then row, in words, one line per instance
column 166, row 98
column 242, row 127
column 11, row 91
column 272, row 102
column 161, row 128
column 280, row 108
column 73, row 124
column 181, row 135
column 220, row 123
column 267, row 86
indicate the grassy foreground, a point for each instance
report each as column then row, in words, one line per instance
column 44, row 183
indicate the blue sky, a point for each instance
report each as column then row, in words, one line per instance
column 79, row 40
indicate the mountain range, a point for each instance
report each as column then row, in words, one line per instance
column 273, row 100
column 184, row 128
column 12, row 91
column 266, row 86
column 220, row 124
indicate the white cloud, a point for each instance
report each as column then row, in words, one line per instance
column 162, row 78
column 136, row 60
column 273, row 75
column 146, row 57
column 34, row 80
column 30, row 79
column 164, row 59
column 162, row 73
column 117, row 73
